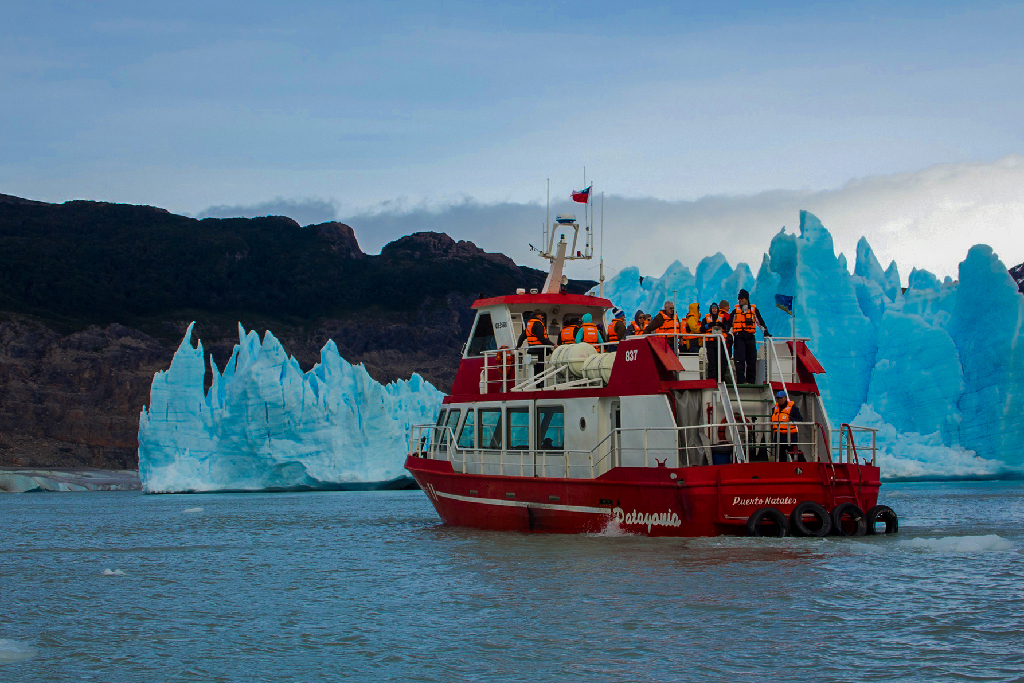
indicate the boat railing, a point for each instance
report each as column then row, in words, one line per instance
column 688, row 446
column 855, row 450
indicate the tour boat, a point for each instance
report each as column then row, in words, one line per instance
column 636, row 437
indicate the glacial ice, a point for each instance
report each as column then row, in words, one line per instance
column 938, row 370
column 265, row 424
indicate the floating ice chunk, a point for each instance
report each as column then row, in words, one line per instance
column 959, row 544
column 264, row 424
column 193, row 511
column 113, row 572
column 14, row 651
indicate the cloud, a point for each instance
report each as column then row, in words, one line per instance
column 925, row 219
column 302, row 211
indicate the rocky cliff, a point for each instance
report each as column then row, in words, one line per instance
column 94, row 299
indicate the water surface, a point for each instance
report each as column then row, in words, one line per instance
column 368, row 586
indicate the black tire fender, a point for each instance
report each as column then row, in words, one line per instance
column 809, row 507
column 852, row 512
column 885, row 514
column 762, row 515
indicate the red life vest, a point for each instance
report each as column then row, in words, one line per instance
column 590, row 333
column 780, row 419
column 745, row 322
column 531, row 338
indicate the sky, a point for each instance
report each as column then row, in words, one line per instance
column 708, row 126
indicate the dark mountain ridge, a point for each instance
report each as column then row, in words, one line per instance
column 95, row 297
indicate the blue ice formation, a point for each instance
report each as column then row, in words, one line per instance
column 938, row 370
column 265, row 424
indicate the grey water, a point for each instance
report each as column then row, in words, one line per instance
column 368, row 586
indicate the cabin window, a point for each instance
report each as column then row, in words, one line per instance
column 550, row 428
column 435, row 436
column 451, row 423
column 466, row 436
column 490, row 429
column 483, row 336
column 519, row 429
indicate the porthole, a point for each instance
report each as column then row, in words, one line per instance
column 799, row 470
column 583, row 424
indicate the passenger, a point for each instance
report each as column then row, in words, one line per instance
column 588, row 331
column 636, row 328
column 714, row 325
column 617, row 330
column 536, row 335
column 745, row 321
column 665, row 323
column 568, row 335
column 692, row 326
column 784, row 432
column 723, row 311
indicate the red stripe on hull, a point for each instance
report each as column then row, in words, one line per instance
column 699, row 501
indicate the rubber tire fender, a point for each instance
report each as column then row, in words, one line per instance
column 796, row 520
column 887, row 515
column 767, row 515
column 853, row 511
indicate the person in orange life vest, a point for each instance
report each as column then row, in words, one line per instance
column 691, row 344
column 636, row 327
column 723, row 311
column 535, row 334
column 784, row 432
column 665, row 322
column 568, row 335
column 617, row 330
column 745, row 321
column 588, row 331
column 713, row 324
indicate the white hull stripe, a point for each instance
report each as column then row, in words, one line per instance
column 523, row 504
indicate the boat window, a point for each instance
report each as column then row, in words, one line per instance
column 435, row 434
column 550, row 428
column 490, row 428
column 483, row 336
column 519, row 429
column 451, row 423
column 466, row 439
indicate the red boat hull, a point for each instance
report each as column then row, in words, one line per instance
column 690, row 501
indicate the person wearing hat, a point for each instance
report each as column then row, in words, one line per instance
column 588, row 331
column 784, row 432
column 617, row 330
column 714, row 324
column 535, row 334
column 744, row 323
column 636, row 328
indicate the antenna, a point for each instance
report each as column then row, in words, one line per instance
column 600, row 290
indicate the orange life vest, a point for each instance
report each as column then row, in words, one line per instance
column 568, row 335
column 780, row 419
column 531, row 338
column 590, row 333
column 669, row 325
column 710, row 322
column 635, row 329
column 613, row 336
column 745, row 322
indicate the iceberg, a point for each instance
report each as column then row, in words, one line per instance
column 938, row 369
column 264, row 424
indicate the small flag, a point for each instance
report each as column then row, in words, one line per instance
column 583, row 196
column 784, row 302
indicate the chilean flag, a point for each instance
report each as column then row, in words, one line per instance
column 583, row 196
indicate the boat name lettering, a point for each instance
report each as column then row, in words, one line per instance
column 631, row 355
column 650, row 519
column 770, row 500
column 500, row 325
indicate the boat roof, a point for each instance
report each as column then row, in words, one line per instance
column 544, row 300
